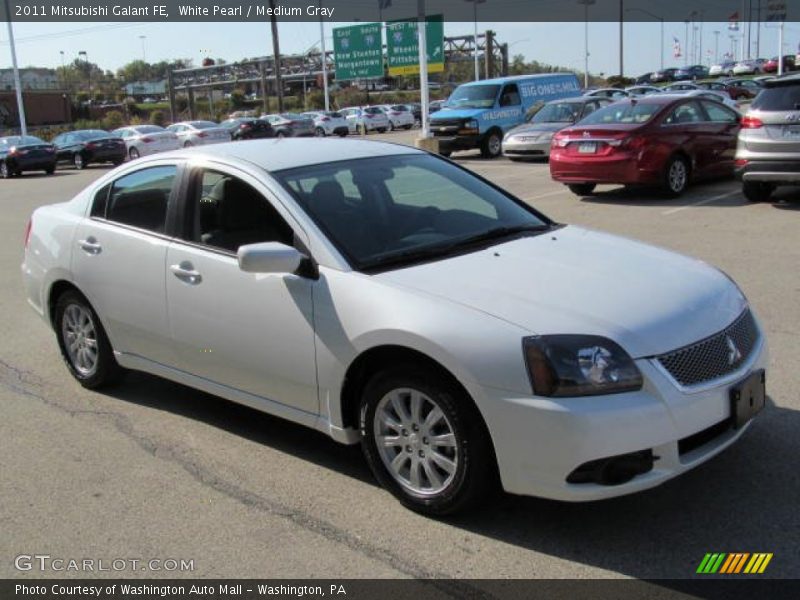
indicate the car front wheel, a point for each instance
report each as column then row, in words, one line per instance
column 133, row 153
column 83, row 342
column 425, row 441
column 5, row 172
column 492, row 146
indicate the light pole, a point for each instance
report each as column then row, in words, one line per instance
column 586, row 5
column 88, row 71
column 716, row 47
column 686, row 45
column 475, row 36
column 661, row 20
column 144, row 55
column 17, row 83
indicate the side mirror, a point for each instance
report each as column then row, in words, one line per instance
column 269, row 257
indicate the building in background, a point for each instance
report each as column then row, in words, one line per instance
column 31, row 79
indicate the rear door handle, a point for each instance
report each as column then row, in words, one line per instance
column 185, row 272
column 90, row 245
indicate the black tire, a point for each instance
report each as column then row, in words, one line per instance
column 187, row 144
column 133, row 154
column 50, row 170
column 445, row 153
column 106, row 370
column 757, row 191
column 492, row 145
column 474, row 477
column 319, row 132
column 581, row 189
column 343, row 134
column 5, row 171
column 406, row 127
column 391, row 126
column 118, row 162
column 676, row 176
column 381, row 129
column 78, row 162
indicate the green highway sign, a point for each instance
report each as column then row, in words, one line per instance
column 403, row 47
column 357, row 51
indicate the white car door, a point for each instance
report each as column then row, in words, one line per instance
column 118, row 262
column 251, row 332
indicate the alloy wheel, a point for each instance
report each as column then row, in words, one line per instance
column 677, row 176
column 80, row 339
column 416, row 441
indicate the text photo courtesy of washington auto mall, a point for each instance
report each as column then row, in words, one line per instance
column 399, row 299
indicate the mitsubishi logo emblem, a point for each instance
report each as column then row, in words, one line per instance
column 734, row 355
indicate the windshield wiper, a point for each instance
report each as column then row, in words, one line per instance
column 441, row 250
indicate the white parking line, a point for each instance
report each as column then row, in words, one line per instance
column 547, row 195
column 672, row 211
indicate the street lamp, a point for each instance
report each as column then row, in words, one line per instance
column 144, row 56
column 475, row 36
column 586, row 5
column 716, row 47
column 661, row 20
column 88, row 71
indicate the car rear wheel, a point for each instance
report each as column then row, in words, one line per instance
column 757, row 191
column 83, row 342
column 133, row 153
column 5, row 172
column 50, row 170
column 319, row 132
column 492, row 145
column 425, row 441
column 77, row 161
column 581, row 189
column 676, row 176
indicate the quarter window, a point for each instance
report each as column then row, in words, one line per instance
column 140, row 199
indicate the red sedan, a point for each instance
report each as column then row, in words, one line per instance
column 661, row 140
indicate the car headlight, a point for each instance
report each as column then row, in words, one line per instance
column 579, row 365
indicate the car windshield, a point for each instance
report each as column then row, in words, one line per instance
column 559, row 112
column 389, row 211
column 91, row 134
column 203, row 124
column 623, row 113
column 474, row 96
column 19, row 140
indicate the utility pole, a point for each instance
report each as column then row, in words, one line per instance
column 586, row 4
column 324, row 58
column 621, row 41
column 423, row 67
column 17, row 83
column 276, row 50
column 716, row 47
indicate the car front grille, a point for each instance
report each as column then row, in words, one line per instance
column 715, row 356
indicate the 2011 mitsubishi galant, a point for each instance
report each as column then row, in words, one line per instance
column 387, row 296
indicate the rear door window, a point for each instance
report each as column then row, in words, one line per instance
column 140, row 199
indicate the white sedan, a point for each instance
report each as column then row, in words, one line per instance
column 400, row 117
column 200, row 133
column 143, row 140
column 386, row 296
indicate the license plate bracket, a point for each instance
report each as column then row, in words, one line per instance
column 587, row 148
column 748, row 398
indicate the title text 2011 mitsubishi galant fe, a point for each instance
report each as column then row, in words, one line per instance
column 387, row 296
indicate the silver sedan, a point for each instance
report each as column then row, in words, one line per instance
column 200, row 133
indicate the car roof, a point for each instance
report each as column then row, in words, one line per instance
column 512, row 79
column 276, row 154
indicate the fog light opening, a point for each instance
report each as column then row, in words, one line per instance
column 614, row 470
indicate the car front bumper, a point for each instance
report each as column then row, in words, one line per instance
column 544, row 440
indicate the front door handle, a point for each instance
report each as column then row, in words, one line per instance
column 90, row 245
column 185, row 272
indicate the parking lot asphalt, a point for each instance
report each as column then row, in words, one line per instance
column 152, row 469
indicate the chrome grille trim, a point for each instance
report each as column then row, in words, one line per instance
column 709, row 359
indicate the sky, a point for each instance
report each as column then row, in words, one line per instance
column 111, row 45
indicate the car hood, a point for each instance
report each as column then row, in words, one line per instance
column 537, row 128
column 573, row 280
column 457, row 113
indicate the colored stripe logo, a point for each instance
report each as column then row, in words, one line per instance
column 734, row 563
